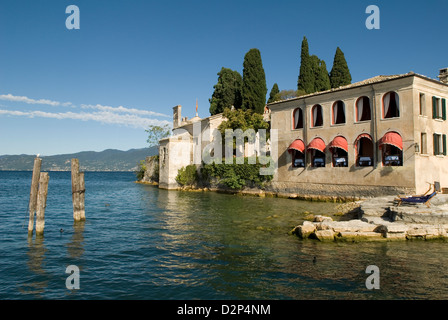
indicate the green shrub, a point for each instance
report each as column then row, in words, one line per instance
column 140, row 173
column 187, row 176
column 235, row 176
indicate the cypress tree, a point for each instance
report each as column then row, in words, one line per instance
column 321, row 78
column 305, row 83
column 227, row 91
column 340, row 74
column 254, row 82
column 273, row 93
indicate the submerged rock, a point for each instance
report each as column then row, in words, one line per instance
column 324, row 235
column 305, row 230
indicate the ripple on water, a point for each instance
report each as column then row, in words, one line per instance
column 140, row 242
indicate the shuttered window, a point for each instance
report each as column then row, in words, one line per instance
column 439, row 144
column 438, row 108
column 443, row 109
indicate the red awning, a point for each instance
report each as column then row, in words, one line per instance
column 339, row 142
column 317, row 144
column 297, row 145
column 393, row 139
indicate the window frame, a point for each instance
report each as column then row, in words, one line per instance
column 312, row 122
column 294, row 119
column 423, row 143
column 356, row 110
column 397, row 103
column 422, row 104
column 439, row 142
column 372, row 158
column 438, row 108
column 338, row 106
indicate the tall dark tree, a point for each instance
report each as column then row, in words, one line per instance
column 305, row 83
column 340, row 74
column 321, row 78
column 273, row 93
column 254, row 82
column 227, row 91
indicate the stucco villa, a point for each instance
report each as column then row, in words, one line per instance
column 384, row 135
column 183, row 146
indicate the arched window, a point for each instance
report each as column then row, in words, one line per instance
column 339, row 151
column 391, row 145
column 364, row 150
column 391, row 106
column 338, row 112
column 297, row 119
column 297, row 151
column 363, row 109
column 316, row 116
column 317, row 150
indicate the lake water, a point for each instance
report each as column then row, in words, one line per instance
column 139, row 242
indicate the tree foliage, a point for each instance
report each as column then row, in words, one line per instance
column 156, row 133
column 227, row 91
column 313, row 75
column 140, row 173
column 273, row 93
column 187, row 176
column 254, row 82
column 306, row 76
column 321, row 78
column 286, row 94
column 242, row 119
column 340, row 74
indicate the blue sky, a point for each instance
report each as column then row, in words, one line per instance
column 131, row 62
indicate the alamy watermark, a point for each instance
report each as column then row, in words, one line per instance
column 373, row 281
column 73, row 280
column 373, row 20
column 73, row 20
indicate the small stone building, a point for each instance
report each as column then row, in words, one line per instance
column 384, row 135
column 185, row 146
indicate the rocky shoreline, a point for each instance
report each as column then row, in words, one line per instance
column 380, row 219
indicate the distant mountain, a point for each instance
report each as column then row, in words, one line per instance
column 107, row 160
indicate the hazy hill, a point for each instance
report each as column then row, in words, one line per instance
column 107, row 160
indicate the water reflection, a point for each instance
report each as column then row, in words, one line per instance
column 240, row 248
column 36, row 262
column 235, row 244
column 75, row 248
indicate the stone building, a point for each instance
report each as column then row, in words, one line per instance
column 185, row 146
column 384, row 135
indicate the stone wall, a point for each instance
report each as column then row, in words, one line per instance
column 334, row 190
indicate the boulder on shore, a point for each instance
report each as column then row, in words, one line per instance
column 375, row 229
column 305, row 230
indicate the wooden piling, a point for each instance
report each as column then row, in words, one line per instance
column 33, row 194
column 82, row 197
column 77, row 192
column 41, row 203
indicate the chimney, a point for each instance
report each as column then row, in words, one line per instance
column 443, row 75
column 177, row 116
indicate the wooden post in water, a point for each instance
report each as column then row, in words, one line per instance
column 82, row 197
column 33, row 194
column 41, row 203
column 78, row 191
